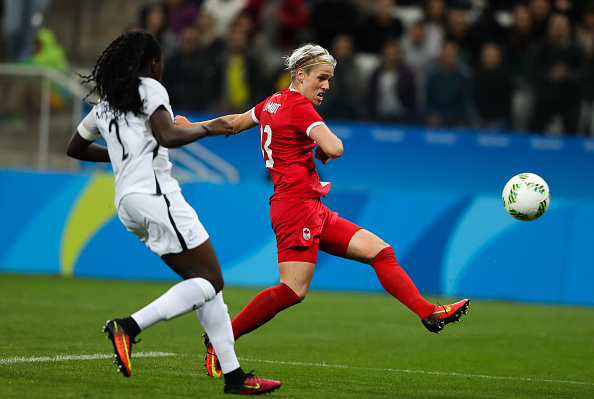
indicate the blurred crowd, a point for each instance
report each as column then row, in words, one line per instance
column 492, row 65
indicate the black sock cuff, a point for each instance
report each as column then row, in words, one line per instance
column 234, row 377
column 130, row 327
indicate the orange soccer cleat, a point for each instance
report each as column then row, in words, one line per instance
column 213, row 367
column 122, row 345
column 443, row 315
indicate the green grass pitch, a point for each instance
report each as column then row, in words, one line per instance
column 333, row 345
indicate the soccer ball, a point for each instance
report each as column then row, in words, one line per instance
column 526, row 196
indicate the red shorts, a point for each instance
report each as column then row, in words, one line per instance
column 304, row 225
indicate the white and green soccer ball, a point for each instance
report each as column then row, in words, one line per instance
column 526, row 196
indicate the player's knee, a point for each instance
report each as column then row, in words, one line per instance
column 218, row 283
column 378, row 247
column 301, row 292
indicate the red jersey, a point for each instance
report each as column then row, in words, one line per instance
column 285, row 119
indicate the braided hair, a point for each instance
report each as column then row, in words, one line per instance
column 116, row 72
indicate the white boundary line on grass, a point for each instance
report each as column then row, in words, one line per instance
column 341, row 366
column 59, row 358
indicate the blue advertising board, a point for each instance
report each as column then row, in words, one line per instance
column 434, row 195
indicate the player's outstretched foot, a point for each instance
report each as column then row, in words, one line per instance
column 122, row 345
column 213, row 367
column 443, row 315
column 252, row 386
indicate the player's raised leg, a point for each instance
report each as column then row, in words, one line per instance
column 366, row 247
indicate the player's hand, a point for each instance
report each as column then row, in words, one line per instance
column 321, row 155
column 220, row 127
column 181, row 121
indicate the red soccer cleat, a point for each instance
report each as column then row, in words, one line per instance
column 443, row 315
column 253, row 386
column 122, row 345
column 213, row 367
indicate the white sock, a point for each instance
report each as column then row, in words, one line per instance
column 214, row 317
column 180, row 299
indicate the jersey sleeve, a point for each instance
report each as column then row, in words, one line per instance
column 257, row 110
column 155, row 96
column 88, row 129
column 305, row 117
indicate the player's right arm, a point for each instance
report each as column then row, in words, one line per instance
column 244, row 122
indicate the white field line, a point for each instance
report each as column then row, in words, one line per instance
column 59, row 358
column 341, row 366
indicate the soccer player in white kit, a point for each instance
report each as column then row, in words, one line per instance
column 135, row 118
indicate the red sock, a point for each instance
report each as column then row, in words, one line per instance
column 263, row 308
column 395, row 280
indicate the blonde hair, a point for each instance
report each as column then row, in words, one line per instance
column 306, row 57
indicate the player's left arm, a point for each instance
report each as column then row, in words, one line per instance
column 182, row 121
column 329, row 145
column 240, row 122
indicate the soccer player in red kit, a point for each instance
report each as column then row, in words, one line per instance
column 290, row 129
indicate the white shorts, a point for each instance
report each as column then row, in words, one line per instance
column 167, row 224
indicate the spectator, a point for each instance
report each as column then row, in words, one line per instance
column 584, row 36
column 179, row 14
column 540, row 11
column 49, row 53
column 485, row 27
column 557, row 71
column 458, row 31
column 447, row 90
column 392, row 89
column 192, row 77
column 206, row 32
column 282, row 21
column 379, row 26
column 415, row 47
column 343, row 100
column 492, row 89
column 154, row 21
column 584, row 31
column 435, row 25
column 519, row 40
column 224, row 13
column 330, row 18
column 240, row 73
column 418, row 56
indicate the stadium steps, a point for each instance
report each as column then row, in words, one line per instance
column 86, row 27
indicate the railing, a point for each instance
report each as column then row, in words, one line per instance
column 48, row 76
column 194, row 162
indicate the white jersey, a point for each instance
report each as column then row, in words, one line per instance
column 139, row 163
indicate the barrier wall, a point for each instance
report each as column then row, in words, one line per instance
column 433, row 195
